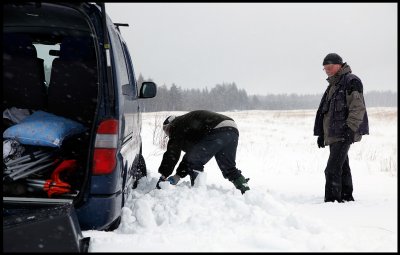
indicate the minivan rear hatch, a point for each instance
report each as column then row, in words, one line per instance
column 50, row 65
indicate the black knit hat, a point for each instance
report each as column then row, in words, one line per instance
column 332, row 58
column 168, row 120
column 167, row 124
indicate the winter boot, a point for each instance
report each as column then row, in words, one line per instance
column 333, row 200
column 241, row 183
column 348, row 198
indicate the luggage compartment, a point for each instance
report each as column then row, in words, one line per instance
column 50, row 65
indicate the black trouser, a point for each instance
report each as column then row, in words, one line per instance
column 221, row 143
column 339, row 185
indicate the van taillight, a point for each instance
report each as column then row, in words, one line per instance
column 104, row 158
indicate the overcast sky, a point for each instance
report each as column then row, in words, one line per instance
column 262, row 47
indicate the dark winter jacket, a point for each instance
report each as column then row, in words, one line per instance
column 342, row 105
column 185, row 131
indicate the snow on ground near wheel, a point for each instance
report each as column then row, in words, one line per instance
column 283, row 211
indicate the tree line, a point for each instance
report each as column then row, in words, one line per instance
column 228, row 97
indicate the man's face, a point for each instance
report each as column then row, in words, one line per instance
column 332, row 69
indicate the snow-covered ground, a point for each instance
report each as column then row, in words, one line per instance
column 283, row 211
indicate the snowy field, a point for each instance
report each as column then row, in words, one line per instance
column 284, row 210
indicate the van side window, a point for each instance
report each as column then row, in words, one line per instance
column 128, row 60
column 119, row 58
column 43, row 52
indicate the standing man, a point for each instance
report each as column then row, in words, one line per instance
column 202, row 135
column 341, row 119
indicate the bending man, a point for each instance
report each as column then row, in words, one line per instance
column 202, row 135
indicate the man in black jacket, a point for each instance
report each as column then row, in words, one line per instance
column 202, row 135
column 341, row 120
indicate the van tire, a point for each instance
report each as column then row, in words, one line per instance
column 114, row 225
column 141, row 170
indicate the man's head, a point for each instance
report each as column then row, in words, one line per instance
column 167, row 124
column 332, row 64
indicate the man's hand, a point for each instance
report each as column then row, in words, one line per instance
column 349, row 135
column 320, row 141
column 174, row 179
column 162, row 179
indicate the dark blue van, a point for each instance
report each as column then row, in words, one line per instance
column 71, row 60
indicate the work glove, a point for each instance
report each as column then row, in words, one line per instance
column 162, row 179
column 241, row 184
column 349, row 135
column 174, row 179
column 320, row 141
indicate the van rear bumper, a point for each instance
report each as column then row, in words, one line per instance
column 30, row 225
column 99, row 211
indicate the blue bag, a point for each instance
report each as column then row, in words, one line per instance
column 43, row 129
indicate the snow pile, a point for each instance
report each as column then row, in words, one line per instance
column 283, row 211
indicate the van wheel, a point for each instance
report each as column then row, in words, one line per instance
column 114, row 225
column 141, row 170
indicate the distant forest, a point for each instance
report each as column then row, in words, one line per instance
column 228, row 97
